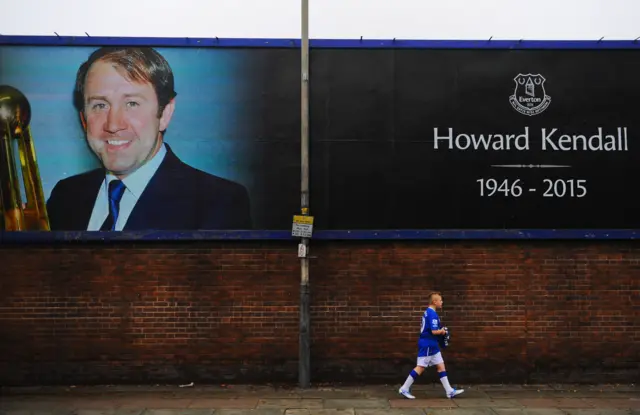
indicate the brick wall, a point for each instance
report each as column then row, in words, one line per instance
column 228, row 311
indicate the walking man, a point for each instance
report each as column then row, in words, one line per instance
column 429, row 350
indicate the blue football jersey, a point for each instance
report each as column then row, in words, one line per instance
column 428, row 343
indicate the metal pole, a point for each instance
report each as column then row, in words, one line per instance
column 305, row 341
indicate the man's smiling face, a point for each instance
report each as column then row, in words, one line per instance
column 121, row 118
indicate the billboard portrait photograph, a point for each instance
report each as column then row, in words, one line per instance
column 120, row 138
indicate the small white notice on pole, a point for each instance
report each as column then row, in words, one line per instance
column 302, row 226
column 302, row 251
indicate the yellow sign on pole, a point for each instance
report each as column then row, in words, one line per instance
column 302, row 226
column 307, row 220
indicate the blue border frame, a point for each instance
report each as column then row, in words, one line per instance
column 316, row 43
column 402, row 234
column 285, row 235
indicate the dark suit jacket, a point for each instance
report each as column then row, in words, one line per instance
column 178, row 197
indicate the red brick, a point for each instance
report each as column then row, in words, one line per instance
column 527, row 311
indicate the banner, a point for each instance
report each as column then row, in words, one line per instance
column 475, row 139
column 195, row 138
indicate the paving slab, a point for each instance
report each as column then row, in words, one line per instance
column 384, row 392
column 147, row 402
column 554, row 403
column 33, row 405
column 267, row 394
column 178, row 412
column 217, row 403
column 510, row 387
column 390, row 411
column 303, row 411
column 392, row 394
column 334, row 394
column 523, row 394
column 614, row 403
column 487, row 403
column 110, row 411
column 597, row 411
column 35, row 412
column 99, row 403
column 461, row 411
column 293, row 403
column 569, row 403
column 270, row 392
column 356, row 403
column 600, row 387
column 271, row 411
column 529, row 411
column 551, row 393
column 422, row 403
column 598, row 393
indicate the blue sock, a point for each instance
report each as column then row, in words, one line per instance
column 407, row 384
column 445, row 382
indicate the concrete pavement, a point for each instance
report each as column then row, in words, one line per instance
column 321, row 400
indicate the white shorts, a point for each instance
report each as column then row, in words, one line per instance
column 426, row 361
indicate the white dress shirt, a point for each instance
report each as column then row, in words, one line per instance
column 135, row 184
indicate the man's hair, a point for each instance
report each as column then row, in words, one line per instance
column 142, row 64
column 433, row 294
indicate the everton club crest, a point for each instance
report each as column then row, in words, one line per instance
column 529, row 97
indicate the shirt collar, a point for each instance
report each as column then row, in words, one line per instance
column 137, row 181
